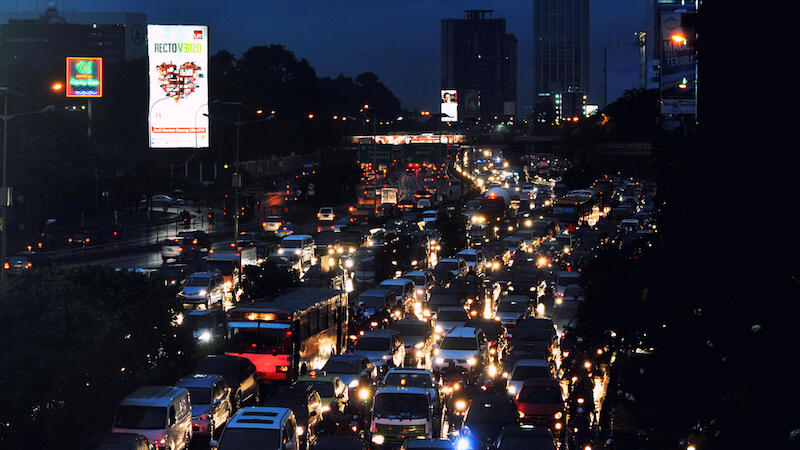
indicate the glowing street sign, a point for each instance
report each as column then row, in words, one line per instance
column 84, row 77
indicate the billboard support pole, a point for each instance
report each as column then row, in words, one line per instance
column 89, row 124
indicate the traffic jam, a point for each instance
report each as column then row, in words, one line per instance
column 394, row 338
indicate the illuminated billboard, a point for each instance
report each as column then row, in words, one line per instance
column 178, row 70
column 678, row 65
column 449, row 105
column 84, row 77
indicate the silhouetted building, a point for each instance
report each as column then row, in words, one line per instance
column 560, row 52
column 480, row 58
column 34, row 47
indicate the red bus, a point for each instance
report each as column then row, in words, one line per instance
column 297, row 330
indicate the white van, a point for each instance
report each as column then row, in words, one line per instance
column 300, row 244
column 163, row 414
column 259, row 427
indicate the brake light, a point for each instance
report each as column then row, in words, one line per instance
column 6, row 265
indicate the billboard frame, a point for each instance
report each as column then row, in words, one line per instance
column 68, row 90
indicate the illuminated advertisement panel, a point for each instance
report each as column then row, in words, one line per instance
column 678, row 65
column 178, row 70
column 84, row 77
column 449, row 105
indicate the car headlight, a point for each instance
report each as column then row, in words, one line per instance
column 461, row 405
column 363, row 394
column 511, row 389
column 300, row 430
column 349, row 263
column 378, row 439
column 353, row 384
column 205, row 336
column 202, row 292
column 440, row 360
column 326, row 408
column 557, row 415
column 298, row 251
column 439, row 329
column 471, row 361
column 228, row 284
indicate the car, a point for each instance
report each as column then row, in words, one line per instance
column 272, row 223
column 541, row 403
column 286, row 229
column 572, row 293
column 159, row 200
column 423, row 282
column 198, row 238
column 495, row 334
column 328, row 243
column 117, row 441
column 161, row 413
column 204, row 289
column 526, row 369
column 524, row 436
column 382, row 347
column 211, row 402
column 171, row 249
column 466, row 347
column 326, row 213
column 259, row 427
column 331, row 389
column 457, row 266
column 207, row 325
column 80, row 239
column 404, row 291
column 305, row 403
column 418, row 337
column 475, row 260
column 486, row 416
column 372, row 301
column 450, row 317
column 26, row 261
column 350, row 369
column 564, row 279
column 511, row 308
column 239, row 373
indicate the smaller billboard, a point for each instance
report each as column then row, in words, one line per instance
column 84, row 77
column 449, row 101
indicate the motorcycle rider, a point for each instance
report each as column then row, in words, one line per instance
column 332, row 419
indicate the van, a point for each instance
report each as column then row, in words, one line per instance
column 163, row 414
column 300, row 244
column 379, row 299
column 259, row 428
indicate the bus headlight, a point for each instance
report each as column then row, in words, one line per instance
column 378, row 439
column 440, row 360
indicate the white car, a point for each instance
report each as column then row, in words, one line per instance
column 465, row 346
column 272, row 223
column 456, row 266
column 326, row 213
column 171, row 249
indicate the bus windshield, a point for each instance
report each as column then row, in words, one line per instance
column 259, row 340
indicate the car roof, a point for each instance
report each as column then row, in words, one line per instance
column 462, row 332
column 416, row 273
column 376, row 292
column 153, row 396
column 347, row 358
column 263, row 417
column 379, row 333
column 541, row 382
column 396, row 282
column 201, row 380
column 491, row 399
column 468, row 252
column 409, row 370
column 203, row 274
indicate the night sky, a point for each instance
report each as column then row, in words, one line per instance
column 397, row 39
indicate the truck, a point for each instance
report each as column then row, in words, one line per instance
column 231, row 264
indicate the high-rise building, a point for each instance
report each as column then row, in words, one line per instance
column 560, row 51
column 479, row 59
column 621, row 70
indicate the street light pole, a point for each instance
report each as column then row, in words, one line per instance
column 237, row 177
column 6, row 92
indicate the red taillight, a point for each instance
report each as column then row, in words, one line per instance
column 6, row 265
column 69, row 240
column 88, row 240
column 29, row 265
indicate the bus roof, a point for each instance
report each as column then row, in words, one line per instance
column 296, row 299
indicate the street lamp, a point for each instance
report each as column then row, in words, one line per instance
column 237, row 177
column 6, row 194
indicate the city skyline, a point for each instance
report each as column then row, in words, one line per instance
column 406, row 56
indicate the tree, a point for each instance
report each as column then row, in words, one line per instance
column 76, row 341
column 267, row 279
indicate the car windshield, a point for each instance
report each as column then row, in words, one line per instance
column 291, row 243
column 471, row 257
column 540, row 394
column 370, row 301
column 457, row 343
column 419, row 280
column 452, row 315
column 447, row 265
column 400, row 405
column 239, row 438
column 491, row 413
column 517, row 307
column 323, row 388
column 372, row 344
column 573, row 291
column 410, row 329
column 524, row 372
column 348, row 367
column 440, row 299
column 199, row 396
column 273, row 219
column 421, row 380
column 141, row 417
column 196, row 281
column 516, row 442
